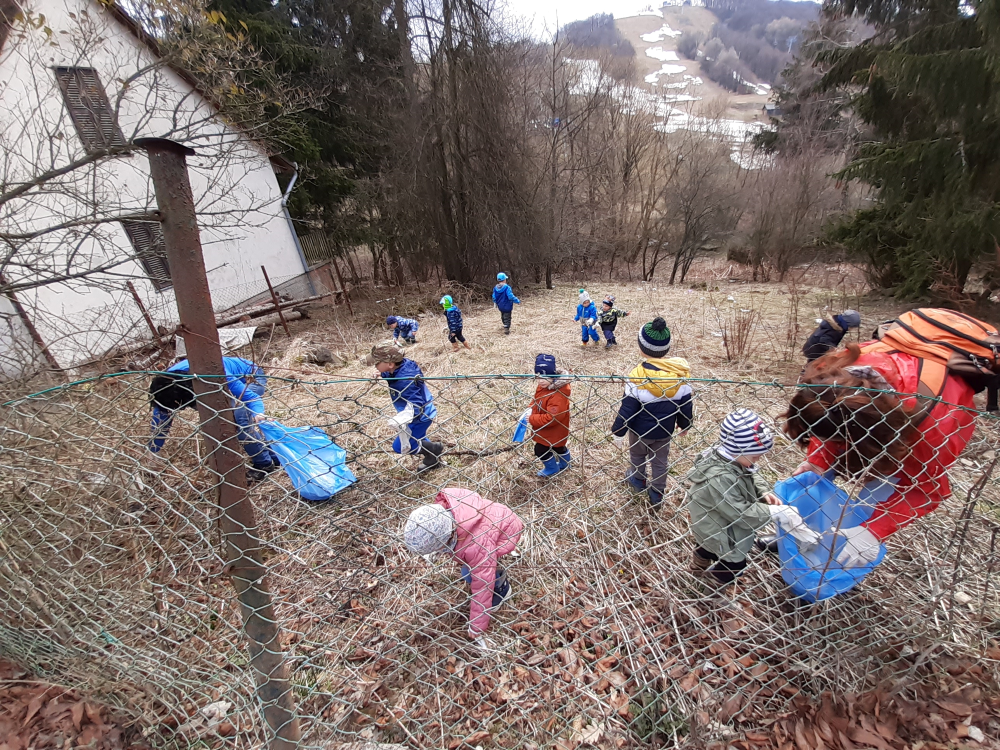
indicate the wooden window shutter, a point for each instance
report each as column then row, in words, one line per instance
column 147, row 239
column 89, row 108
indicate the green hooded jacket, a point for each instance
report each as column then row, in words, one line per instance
column 725, row 503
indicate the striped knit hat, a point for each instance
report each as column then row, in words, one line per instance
column 654, row 338
column 743, row 433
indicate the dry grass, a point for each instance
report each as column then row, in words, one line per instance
column 608, row 641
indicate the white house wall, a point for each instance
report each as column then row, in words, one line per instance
column 236, row 193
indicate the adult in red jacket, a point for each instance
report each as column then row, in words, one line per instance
column 900, row 444
column 476, row 532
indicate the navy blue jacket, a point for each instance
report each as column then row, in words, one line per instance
column 827, row 336
column 405, row 327
column 407, row 386
column 652, row 417
column 454, row 317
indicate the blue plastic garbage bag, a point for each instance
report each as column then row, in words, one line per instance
column 521, row 431
column 314, row 463
column 816, row 575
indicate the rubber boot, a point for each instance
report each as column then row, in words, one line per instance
column 432, row 455
column 699, row 565
column 551, row 466
column 655, row 497
column 564, row 460
column 767, row 543
column 259, row 473
column 584, row 343
column 636, row 481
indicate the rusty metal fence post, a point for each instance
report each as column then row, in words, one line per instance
column 168, row 168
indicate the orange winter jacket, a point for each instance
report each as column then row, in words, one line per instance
column 550, row 411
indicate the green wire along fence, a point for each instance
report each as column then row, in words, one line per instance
column 116, row 582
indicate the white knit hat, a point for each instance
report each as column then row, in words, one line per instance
column 584, row 296
column 743, row 433
column 428, row 529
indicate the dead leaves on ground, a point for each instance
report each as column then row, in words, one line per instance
column 883, row 721
column 37, row 715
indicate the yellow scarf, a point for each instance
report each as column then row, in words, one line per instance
column 661, row 377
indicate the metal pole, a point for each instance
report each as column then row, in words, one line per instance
column 277, row 302
column 145, row 312
column 168, row 168
column 343, row 286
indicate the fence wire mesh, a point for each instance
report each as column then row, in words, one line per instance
column 115, row 579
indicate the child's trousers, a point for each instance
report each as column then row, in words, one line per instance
column 589, row 332
column 609, row 335
column 656, row 453
column 501, row 586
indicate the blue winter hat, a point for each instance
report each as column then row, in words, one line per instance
column 744, row 433
column 447, row 302
column 654, row 338
column 545, row 364
column 851, row 318
column 390, row 320
column 501, row 277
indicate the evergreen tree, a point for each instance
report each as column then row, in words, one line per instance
column 345, row 57
column 927, row 85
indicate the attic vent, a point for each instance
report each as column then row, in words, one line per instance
column 147, row 239
column 90, row 109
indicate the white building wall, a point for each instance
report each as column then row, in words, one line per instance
column 236, row 193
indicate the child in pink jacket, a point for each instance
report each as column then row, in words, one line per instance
column 476, row 532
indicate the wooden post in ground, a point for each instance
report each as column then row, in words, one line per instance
column 277, row 303
column 237, row 518
column 343, row 286
column 145, row 312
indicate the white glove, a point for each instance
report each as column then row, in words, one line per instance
column 589, row 322
column 401, row 423
column 619, row 441
column 788, row 518
column 402, row 418
column 860, row 547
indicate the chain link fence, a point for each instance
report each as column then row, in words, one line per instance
column 116, row 582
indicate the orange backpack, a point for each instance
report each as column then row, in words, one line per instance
column 948, row 342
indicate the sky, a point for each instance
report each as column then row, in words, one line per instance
column 543, row 13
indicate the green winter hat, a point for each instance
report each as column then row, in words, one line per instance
column 446, row 302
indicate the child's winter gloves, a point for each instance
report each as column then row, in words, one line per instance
column 402, row 418
column 860, row 547
column 788, row 518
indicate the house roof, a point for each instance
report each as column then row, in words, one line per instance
column 10, row 8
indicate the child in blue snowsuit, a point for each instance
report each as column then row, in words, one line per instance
column 414, row 404
column 505, row 300
column 454, row 317
column 586, row 313
column 405, row 328
column 245, row 385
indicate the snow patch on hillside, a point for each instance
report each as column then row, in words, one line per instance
column 660, row 34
